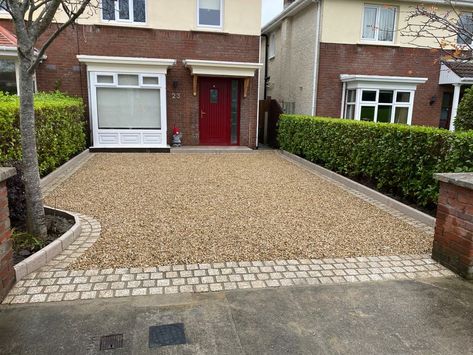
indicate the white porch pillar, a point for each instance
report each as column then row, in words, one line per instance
column 456, row 101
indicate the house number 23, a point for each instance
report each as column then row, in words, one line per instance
column 176, row 95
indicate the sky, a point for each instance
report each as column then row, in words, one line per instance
column 270, row 9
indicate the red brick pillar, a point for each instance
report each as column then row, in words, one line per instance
column 453, row 242
column 7, row 272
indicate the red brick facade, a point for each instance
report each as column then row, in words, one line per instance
column 336, row 59
column 61, row 70
column 7, row 272
column 453, row 242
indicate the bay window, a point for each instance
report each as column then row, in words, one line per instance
column 386, row 106
column 379, row 23
column 209, row 13
column 124, row 10
column 373, row 98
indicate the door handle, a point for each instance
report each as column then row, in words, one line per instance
column 202, row 114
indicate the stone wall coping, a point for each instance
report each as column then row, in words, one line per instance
column 6, row 173
column 460, row 179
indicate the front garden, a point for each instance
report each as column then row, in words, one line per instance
column 60, row 130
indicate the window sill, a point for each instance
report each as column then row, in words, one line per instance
column 378, row 44
column 123, row 24
column 210, row 30
column 272, row 58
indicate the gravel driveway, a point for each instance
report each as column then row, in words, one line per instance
column 159, row 209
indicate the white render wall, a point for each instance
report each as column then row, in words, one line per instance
column 292, row 69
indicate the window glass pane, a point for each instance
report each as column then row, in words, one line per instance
column 367, row 113
column 128, row 108
column 139, row 10
column 386, row 97
column 3, row 5
column 209, row 12
column 272, row 46
column 124, row 9
column 149, row 80
column 369, row 96
column 384, row 113
column 387, row 16
column 401, row 114
column 108, row 10
column 369, row 23
column 213, row 96
column 105, row 79
column 8, row 76
column 465, row 29
column 234, row 133
column 124, row 79
column 350, row 114
column 351, row 96
column 403, row 97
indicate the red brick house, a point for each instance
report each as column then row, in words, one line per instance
column 146, row 66
column 348, row 59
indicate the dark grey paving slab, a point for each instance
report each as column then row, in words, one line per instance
column 430, row 316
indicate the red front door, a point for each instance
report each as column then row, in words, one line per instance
column 217, row 111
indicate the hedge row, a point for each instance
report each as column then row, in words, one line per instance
column 397, row 159
column 59, row 128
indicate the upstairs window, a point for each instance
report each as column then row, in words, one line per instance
column 124, row 10
column 465, row 29
column 209, row 13
column 379, row 23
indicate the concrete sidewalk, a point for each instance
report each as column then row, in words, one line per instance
column 429, row 316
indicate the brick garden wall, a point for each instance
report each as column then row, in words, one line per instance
column 62, row 71
column 7, row 272
column 453, row 242
column 336, row 59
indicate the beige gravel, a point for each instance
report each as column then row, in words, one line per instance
column 158, row 209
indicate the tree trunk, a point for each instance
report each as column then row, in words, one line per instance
column 36, row 220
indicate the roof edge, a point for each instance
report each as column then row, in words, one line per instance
column 289, row 11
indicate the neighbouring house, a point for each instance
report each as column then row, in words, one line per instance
column 348, row 59
column 146, row 66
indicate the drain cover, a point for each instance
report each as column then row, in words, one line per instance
column 164, row 335
column 110, row 342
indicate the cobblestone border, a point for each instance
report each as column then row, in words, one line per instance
column 397, row 209
column 54, row 282
column 52, row 250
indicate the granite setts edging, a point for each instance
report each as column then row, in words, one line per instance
column 49, row 252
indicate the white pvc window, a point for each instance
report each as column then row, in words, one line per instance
column 380, row 105
column 465, row 29
column 3, row 6
column 379, row 23
column 210, row 13
column 127, row 101
column 133, row 11
column 8, row 76
column 272, row 46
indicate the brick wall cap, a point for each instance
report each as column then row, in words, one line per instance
column 460, row 179
column 6, row 173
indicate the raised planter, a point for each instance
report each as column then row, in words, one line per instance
column 49, row 252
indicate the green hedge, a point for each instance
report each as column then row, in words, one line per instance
column 59, row 128
column 397, row 159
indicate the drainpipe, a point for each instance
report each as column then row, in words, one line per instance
column 266, row 61
column 316, row 57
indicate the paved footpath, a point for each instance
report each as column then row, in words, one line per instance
column 423, row 316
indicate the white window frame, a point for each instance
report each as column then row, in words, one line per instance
column 376, row 35
column 222, row 3
column 272, row 45
column 360, row 103
column 131, row 20
column 99, row 133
